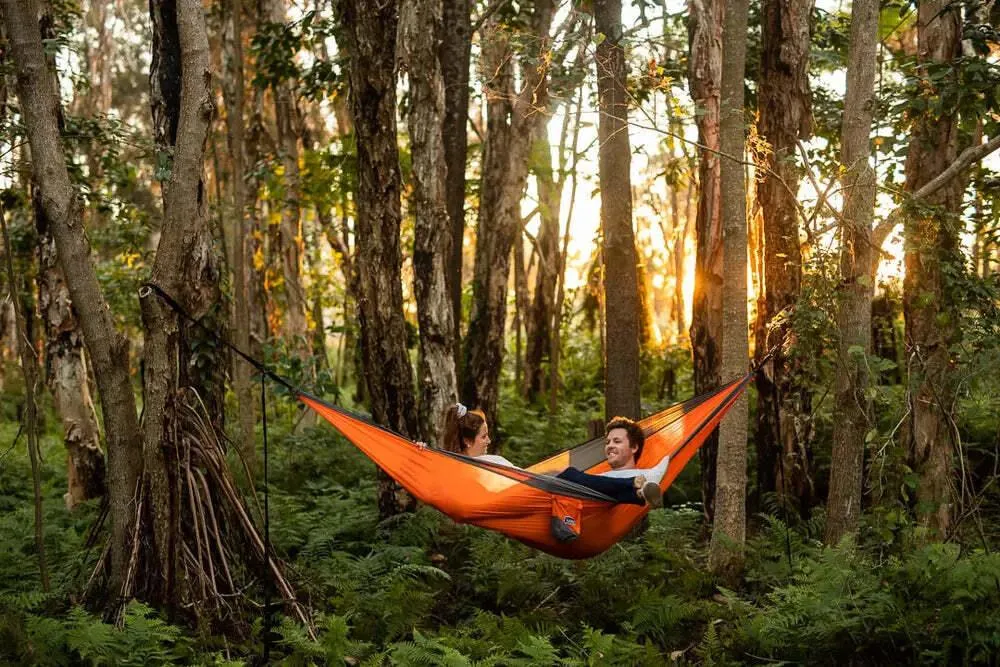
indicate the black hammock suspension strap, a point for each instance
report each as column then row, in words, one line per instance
column 149, row 288
column 268, row 583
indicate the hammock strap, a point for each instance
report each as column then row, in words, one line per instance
column 267, row 580
column 149, row 288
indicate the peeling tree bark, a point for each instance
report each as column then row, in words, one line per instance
column 65, row 365
column 371, row 42
column 66, row 372
column 420, row 26
column 932, row 249
column 456, row 53
column 784, row 119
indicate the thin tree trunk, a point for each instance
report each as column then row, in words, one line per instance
column 785, row 118
column 520, row 307
column 540, row 311
column 456, row 53
column 729, row 530
column 8, row 341
column 932, row 251
column 672, row 236
column 96, row 98
column 679, row 255
column 420, row 27
column 240, row 316
column 511, row 117
column 556, row 353
column 371, row 43
column 64, row 210
column 621, row 281
column 257, row 296
column 852, row 405
column 705, row 77
column 289, row 238
column 29, row 366
column 679, row 232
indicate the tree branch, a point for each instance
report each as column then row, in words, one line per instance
column 490, row 11
column 968, row 157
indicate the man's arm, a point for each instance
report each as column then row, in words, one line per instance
column 654, row 474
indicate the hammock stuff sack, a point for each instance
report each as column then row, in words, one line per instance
column 531, row 505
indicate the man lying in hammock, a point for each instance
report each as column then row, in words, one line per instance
column 466, row 432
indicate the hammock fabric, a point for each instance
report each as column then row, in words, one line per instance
column 524, row 504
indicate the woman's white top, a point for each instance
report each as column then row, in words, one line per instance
column 497, row 459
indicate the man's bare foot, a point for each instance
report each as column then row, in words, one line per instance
column 649, row 492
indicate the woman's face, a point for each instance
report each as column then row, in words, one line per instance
column 480, row 444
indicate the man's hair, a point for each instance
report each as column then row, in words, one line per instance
column 632, row 429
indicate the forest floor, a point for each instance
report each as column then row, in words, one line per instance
column 419, row 589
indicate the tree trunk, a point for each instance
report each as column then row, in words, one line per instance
column 186, row 268
column 852, row 404
column 456, row 53
column 371, row 36
column 257, row 296
column 621, row 282
column 705, row 77
column 679, row 255
column 96, row 98
column 932, row 250
column 556, row 351
column 510, row 119
column 238, row 265
column 674, row 233
column 729, row 531
column 29, row 368
column 520, row 278
column 290, row 238
column 784, row 118
column 64, row 210
column 420, row 26
column 66, row 372
column 65, row 365
column 543, row 304
column 8, row 341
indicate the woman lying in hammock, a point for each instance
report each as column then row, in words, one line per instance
column 466, row 432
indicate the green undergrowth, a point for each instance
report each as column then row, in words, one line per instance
column 421, row 590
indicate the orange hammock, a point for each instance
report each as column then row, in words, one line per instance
column 522, row 504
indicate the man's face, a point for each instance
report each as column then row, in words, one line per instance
column 618, row 450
